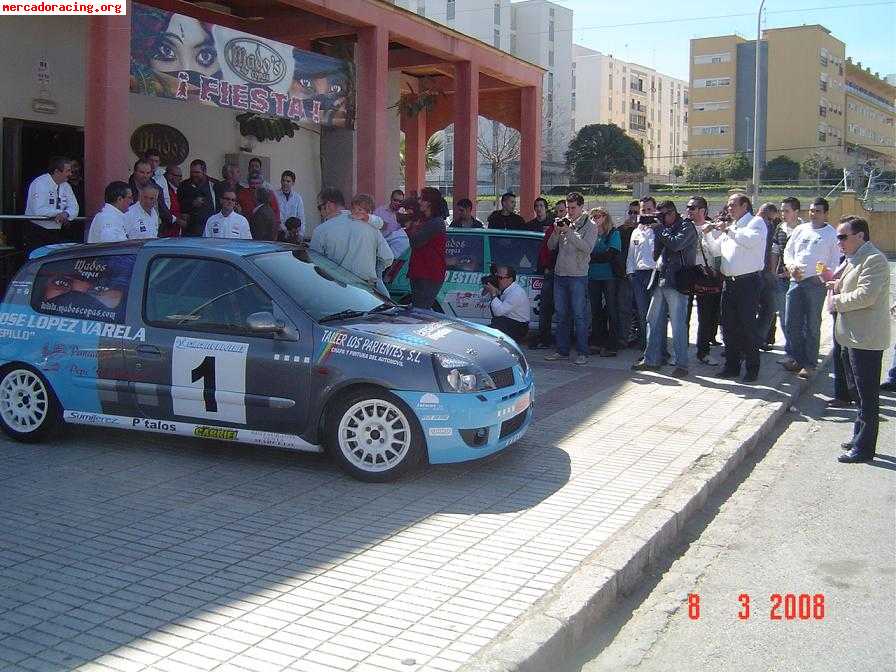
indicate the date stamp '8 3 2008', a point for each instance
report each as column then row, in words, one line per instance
column 782, row 607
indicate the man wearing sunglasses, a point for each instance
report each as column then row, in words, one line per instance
column 510, row 306
column 861, row 298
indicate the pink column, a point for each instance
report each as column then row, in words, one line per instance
column 415, row 152
column 106, row 150
column 466, row 127
column 530, row 149
column 372, row 133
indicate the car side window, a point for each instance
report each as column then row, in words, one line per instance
column 201, row 294
column 464, row 253
column 517, row 251
column 84, row 288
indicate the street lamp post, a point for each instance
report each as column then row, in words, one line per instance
column 756, row 103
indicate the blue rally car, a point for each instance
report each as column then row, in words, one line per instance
column 260, row 343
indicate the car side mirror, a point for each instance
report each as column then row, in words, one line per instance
column 264, row 322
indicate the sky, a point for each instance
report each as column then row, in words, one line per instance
column 658, row 34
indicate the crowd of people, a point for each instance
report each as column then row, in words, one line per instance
column 609, row 285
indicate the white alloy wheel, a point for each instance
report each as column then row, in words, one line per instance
column 25, row 403
column 374, row 435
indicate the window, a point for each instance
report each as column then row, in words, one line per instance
column 822, row 110
column 497, row 13
column 551, row 30
column 573, row 100
column 464, row 253
column 551, row 58
column 703, row 59
column 822, row 136
column 823, row 56
column 712, row 83
column 711, row 130
column 450, row 10
column 201, row 295
column 421, row 7
column 711, row 106
column 497, row 38
column 611, row 82
column 521, row 253
column 84, row 288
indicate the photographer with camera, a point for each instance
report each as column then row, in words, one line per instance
column 573, row 238
column 509, row 304
column 640, row 262
column 675, row 249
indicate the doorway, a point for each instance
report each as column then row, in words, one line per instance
column 27, row 148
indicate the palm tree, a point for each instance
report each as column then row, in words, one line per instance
column 434, row 147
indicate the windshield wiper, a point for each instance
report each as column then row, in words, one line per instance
column 383, row 307
column 342, row 315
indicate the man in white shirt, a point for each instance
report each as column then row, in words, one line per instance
column 811, row 249
column 510, row 304
column 142, row 218
column 227, row 223
column 50, row 195
column 290, row 202
column 110, row 224
column 741, row 245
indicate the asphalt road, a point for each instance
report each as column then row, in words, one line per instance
column 790, row 520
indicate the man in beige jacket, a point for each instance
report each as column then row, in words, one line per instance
column 861, row 299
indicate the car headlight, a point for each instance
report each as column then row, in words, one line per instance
column 459, row 375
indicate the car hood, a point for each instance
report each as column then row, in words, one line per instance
column 430, row 332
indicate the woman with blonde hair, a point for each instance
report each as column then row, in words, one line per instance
column 605, row 267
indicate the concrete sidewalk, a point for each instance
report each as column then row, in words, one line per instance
column 137, row 552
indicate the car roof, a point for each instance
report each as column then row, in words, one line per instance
column 496, row 232
column 227, row 246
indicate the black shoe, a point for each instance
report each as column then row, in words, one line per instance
column 839, row 403
column 888, row 387
column 644, row 366
column 847, row 445
column 853, row 457
column 750, row 377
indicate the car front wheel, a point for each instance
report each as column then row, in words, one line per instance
column 28, row 408
column 374, row 435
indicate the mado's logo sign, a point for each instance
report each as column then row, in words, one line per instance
column 254, row 61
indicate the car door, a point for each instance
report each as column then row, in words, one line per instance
column 461, row 295
column 201, row 363
column 520, row 252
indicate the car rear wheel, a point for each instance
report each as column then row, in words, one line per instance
column 374, row 435
column 28, row 408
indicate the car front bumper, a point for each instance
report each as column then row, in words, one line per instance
column 450, row 422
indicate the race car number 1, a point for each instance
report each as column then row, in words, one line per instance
column 208, row 379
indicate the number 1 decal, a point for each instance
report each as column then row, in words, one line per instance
column 206, row 372
column 208, row 379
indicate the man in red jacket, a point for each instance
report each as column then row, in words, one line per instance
column 428, row 241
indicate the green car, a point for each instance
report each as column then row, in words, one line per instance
column 469, row 255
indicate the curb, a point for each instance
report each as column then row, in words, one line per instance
column 556, row 626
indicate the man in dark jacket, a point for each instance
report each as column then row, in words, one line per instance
column 263, row 221
column 675, row 248
column 196, row 198
column 506, row 218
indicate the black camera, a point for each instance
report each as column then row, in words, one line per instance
column 647, row 219
column 489, row 280
column 563, row 221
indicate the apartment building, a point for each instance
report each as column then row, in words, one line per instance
column 870, row 133
column 807, row 103
column 648, row 105
column 538, row 31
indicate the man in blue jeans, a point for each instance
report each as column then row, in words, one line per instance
column 639, row 265
column 573, row 238
column 811, row 248
column 675, row 242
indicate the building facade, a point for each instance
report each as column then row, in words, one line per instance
column 648, row 105
column 813, row 100
column 537, row 31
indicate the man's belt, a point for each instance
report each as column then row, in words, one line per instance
column 743, row 276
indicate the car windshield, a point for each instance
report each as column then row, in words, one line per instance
column 324, row 289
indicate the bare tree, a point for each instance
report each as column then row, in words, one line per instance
column 499, row 151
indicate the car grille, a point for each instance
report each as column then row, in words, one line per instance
column 513, row 425
column 502, row 378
